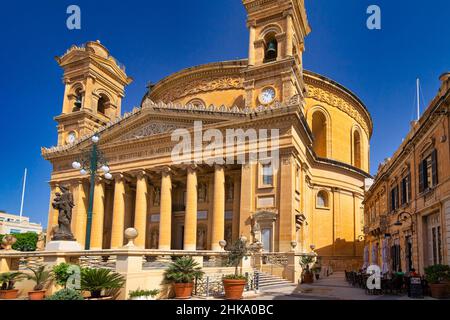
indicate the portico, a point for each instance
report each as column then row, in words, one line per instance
column 184, row 207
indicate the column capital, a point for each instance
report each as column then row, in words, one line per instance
column 119, row 177
column 166, row 170
column 141, row 174
column 192, row 167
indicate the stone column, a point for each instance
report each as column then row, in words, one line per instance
column 118, row 213
column 52, row 213
column 236, row 208
column 81, row 212
column 165, row 221
column 218, row 229
column 190, row 222
column 289, row 35
column 98, row 214
column 251, row 46
column 140, row 215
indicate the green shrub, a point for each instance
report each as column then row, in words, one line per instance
column 61, row 273
column 95, row 280
column 183, row 270
column 25, row 241
column 437, row 273
column 143, row 293
column 66, row 294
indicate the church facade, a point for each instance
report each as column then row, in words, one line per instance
column 311, row 200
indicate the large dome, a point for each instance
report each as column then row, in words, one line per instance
column 337, row 118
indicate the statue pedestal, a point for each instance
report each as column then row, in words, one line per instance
column 62, row 245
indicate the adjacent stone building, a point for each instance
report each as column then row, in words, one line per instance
column 312, row 200
column 407, row 209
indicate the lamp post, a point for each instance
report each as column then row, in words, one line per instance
column 90, row 163
column 404, row 216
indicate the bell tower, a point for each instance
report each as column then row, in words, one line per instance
column 94, row 87
column 275, row 67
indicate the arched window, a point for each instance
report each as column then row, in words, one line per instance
column 197, row 103
column 271, row 49
column 322, row 199
column 319, row 131
column 357, row 149
column 78, row 101
column 101, row 104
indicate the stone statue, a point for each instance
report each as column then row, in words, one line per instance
column 202, row 192
column 40, row 244
column 64, row 203
column 8, row 241
column 156, row 197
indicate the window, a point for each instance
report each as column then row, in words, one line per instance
column 428, row 175
column 102, row 104
column 267, row 174
column 406, row 189
column 394, row 198
column 357, row 149
column 14, row 231
column 319, row 131
column 271, row 52
column 197, row 103
column 322, row 199
column 78, row 101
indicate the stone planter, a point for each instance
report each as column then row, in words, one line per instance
column 308, row 277
column 438, row 290
column 101, row 298
column 9, row 294
column 233, row 288
column 183, row 290
column 36, row 295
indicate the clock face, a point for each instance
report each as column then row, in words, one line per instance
column 267, row 95
column 71, row 137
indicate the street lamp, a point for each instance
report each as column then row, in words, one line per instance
column 404, row 216
column 92, row 162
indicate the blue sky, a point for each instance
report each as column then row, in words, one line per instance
column 156, row 38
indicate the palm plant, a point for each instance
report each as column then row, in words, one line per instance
column 40, row 276
column 95, row 280
column 8, row 279
column 306, row 262
column 183, row 270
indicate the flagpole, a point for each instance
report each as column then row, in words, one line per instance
column 418, row 99
column 23, row 193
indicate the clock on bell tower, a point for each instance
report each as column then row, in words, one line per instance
column 94, row 87
column 275, row 68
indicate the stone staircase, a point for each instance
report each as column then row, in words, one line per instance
column 268, row 281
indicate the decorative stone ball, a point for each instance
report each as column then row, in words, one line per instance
column 222, row 243
column 131, row 233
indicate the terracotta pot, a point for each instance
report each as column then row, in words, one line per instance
column 183, row 290
column 438, row 290
column 233, row 288
column 9, row 294
column 308, row 277
column 36, row 295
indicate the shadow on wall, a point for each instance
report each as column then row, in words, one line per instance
column 342, row 255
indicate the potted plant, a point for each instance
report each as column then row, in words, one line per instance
column 62, row 273
column 66, row 294
column 143, row 294
column 96, row 280
column 436, row 275
column 41, row 277
column 182, row 273
column 234, row 284
column 305, row 263
column 7, row 282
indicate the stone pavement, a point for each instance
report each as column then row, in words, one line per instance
column 333, row 287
